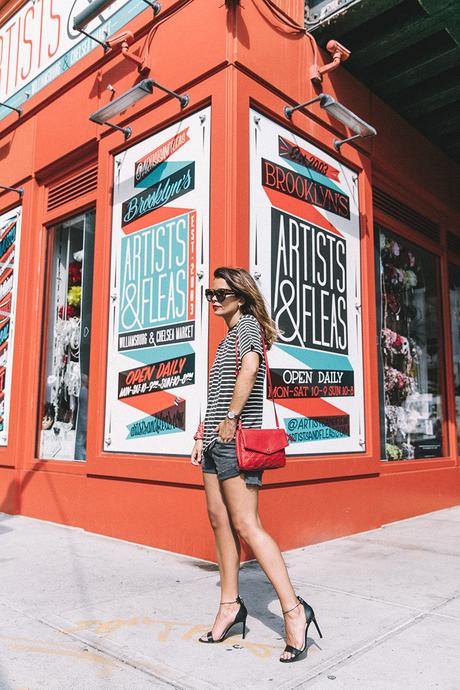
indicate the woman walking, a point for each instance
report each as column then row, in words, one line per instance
column 232, row 496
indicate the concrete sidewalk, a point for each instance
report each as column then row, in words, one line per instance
column 78, row 610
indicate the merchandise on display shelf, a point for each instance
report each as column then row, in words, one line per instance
column 409, row 349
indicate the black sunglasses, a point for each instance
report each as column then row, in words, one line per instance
column 220, row 295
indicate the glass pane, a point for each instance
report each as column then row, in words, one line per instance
column 64, row 420
column 410, row 326
column 454, row 289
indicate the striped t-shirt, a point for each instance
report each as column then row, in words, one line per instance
column 222, row 378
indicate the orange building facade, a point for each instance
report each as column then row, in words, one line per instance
column 108, row 243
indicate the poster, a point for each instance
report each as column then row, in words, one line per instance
column 157, row 356
column 10, row 227
column 305, row 253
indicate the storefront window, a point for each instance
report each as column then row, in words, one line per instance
column 64, row 414
column 410, row 325
column 454, row 288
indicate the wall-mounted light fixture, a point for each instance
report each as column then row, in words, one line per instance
column 360, row 128
column 11, row 107
column 83, row 18
column 121, row 103
column 18, row 190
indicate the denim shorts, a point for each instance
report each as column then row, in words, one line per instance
column 220, row 458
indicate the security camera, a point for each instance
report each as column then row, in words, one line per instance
column 339, row 54
column 336, row 49
column 121, row 38
column 125, row 39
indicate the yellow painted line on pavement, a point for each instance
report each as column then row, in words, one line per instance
column 18, row 644
column 168, row 629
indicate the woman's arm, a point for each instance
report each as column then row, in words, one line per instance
column 243, row 387
column 196, row 452
column 198, row 447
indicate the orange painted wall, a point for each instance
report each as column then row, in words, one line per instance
column 250, row 58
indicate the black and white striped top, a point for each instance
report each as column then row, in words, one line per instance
column 222, row 378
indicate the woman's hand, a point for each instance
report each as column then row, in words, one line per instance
column 196, row 453
column 226, row 429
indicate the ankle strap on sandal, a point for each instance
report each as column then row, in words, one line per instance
column 238, row 600
column 289, row 610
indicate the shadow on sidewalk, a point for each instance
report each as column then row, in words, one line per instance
column 4, row 685
column 3, row 527
column 253, row 579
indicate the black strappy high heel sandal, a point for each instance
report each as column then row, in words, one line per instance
column 310, row 616
column 240, row 617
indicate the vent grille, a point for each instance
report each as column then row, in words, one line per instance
column 405, row 214
column 72, row 188
column 453, row 243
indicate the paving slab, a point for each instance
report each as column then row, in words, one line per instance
column 77, row 568
column 34, row 655
column 440, row 515
column 376, row 564
column 423, row 655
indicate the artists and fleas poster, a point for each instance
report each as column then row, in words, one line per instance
column 10, row 227
column 157, row 355
column 305, row 251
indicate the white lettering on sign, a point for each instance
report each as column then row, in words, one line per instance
column 38, row 35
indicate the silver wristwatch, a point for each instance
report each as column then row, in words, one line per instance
column 232, row 415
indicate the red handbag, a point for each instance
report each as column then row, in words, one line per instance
column 261, row 449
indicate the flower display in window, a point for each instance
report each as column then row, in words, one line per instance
column 64, row 381
column 68, row 312
column 409, row 375
column 74, row 273
column 393, row 452
column 74, row 296
column 66, row 357
column 399, row 383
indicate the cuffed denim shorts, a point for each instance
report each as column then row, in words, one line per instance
column 220, row 458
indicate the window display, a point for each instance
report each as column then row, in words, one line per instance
column 64, row 415
column 454, row 293
column 409, row 346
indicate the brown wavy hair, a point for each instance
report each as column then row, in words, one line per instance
column 244, row 285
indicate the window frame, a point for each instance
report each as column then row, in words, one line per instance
column 452, row 261
column 48, row 292
column 450, row 458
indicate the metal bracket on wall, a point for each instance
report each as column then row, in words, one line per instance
column 18, row 190
column 317, row 11
column 12, row 107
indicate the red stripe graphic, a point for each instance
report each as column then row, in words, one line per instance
column 150, row 403
column 311, row 408
column 300, row 209
column 159, row 215
column 6, row 229
column 5, row 305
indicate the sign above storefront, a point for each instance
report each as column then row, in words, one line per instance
column 38, row 43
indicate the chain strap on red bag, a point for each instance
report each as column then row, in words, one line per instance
column 260, row 449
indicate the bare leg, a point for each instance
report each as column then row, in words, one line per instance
column 242, row 504
column 228, row 553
